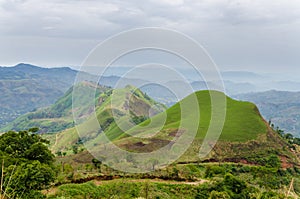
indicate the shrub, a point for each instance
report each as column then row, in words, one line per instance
column 214, row 170
column 219, row 195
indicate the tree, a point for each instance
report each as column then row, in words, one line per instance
column 288, row 136
column 153, row 163
column 97, row 163
column 28, row 164
column 296, row 141
column 234, row 184
column 219, row 195
column 32, row 176
column 39, row 151
column 75, row 149
column 59, row 153
column 15, row 144
column 273, row 161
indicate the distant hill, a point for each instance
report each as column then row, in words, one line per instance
column 281, row 107
column 26, row 87
column 138, row 108
column 56, row 117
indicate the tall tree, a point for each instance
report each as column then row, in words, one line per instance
column 28, row 164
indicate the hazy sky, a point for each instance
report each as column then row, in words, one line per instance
column 255, row 35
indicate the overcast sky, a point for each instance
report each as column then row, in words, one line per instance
column 253, row 35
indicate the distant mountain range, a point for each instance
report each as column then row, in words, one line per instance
column 25, row 87
column 281, row 107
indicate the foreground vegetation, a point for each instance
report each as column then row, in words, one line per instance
column 188, row 181
column 29, row 170
column 252, row 158
column 27, row 165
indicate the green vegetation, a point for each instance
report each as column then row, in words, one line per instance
column 136, row 110
column 243, row 128
column 58, row 116
column 26, row 88
column 264, row 165
column 251, row 159
column 27, row 165
column 243, row 121
column 246, row 137
column 193, row 181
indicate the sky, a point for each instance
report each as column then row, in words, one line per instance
column 252, row 35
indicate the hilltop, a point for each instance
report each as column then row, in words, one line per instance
column 246, row 137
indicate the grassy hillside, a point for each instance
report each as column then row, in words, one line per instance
column 245, row 137
column 57, row 117
column 243, row 121
column 250, row 160
column 133, row 111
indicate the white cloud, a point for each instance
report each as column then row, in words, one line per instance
column 88, row 18
column 168, row 2
column 232, row 30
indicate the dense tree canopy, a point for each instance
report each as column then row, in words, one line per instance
column 28, row 164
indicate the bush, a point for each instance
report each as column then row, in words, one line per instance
column 234, row 184
column 273, row 162
column 214, row 170
column 219, row 195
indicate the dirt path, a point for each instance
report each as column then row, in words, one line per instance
column 200, row 181
column 56, row 138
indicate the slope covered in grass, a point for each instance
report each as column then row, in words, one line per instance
column 111, row 110
column 243, row 121
column 245, row 135
column 58, row 116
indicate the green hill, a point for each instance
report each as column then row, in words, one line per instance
column 245, row 137
column 55, row 118
column 243, row 121
column 134, row 110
